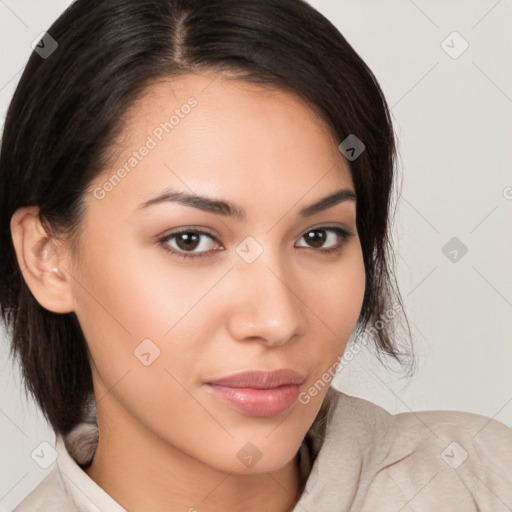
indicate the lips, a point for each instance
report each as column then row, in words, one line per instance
column 258, row 393
column 261, row 379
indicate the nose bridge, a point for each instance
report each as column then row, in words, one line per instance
column 266, row 306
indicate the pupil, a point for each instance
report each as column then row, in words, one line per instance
column 190, row 240
column 317, row 239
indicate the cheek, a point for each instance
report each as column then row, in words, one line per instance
column 338, row 301
column 143, row 325
column 123, row 301
column 338, row 294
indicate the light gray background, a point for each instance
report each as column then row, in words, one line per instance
column 453, row 120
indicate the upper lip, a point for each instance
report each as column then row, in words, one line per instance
column 261, row 379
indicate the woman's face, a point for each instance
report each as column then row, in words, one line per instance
column 257, row 291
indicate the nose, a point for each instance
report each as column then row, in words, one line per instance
column 264, row 305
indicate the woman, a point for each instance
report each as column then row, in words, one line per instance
column 195, row 213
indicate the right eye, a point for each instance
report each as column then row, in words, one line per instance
column 186, row 241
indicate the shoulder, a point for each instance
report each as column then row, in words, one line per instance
column 49, row 496
column 464, row 425
column 421, row 457
column 421, row 430
column 458, row 439
column 466, row 457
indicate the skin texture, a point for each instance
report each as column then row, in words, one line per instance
column 165, row 443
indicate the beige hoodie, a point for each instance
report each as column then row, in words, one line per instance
column 368, row 461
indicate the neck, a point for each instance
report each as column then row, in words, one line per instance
column 143, row 472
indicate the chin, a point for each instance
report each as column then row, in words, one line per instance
column 257, row 456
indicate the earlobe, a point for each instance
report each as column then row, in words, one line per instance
column 42, row 261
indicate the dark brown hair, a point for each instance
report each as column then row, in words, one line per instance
column 68, row 105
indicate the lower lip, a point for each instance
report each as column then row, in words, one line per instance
column 257, row 402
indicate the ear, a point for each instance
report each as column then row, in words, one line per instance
column 42, row 260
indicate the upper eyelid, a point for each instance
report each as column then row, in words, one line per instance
column 189, row 230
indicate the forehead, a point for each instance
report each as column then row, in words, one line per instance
column 209, row 134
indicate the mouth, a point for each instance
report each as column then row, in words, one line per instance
column 258, row 393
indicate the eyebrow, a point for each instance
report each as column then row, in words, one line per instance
column 228, row 209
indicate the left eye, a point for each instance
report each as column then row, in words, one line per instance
column 318, row 236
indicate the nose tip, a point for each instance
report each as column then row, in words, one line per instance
column 266, row 308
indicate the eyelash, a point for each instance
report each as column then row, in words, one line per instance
column 343, row 234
